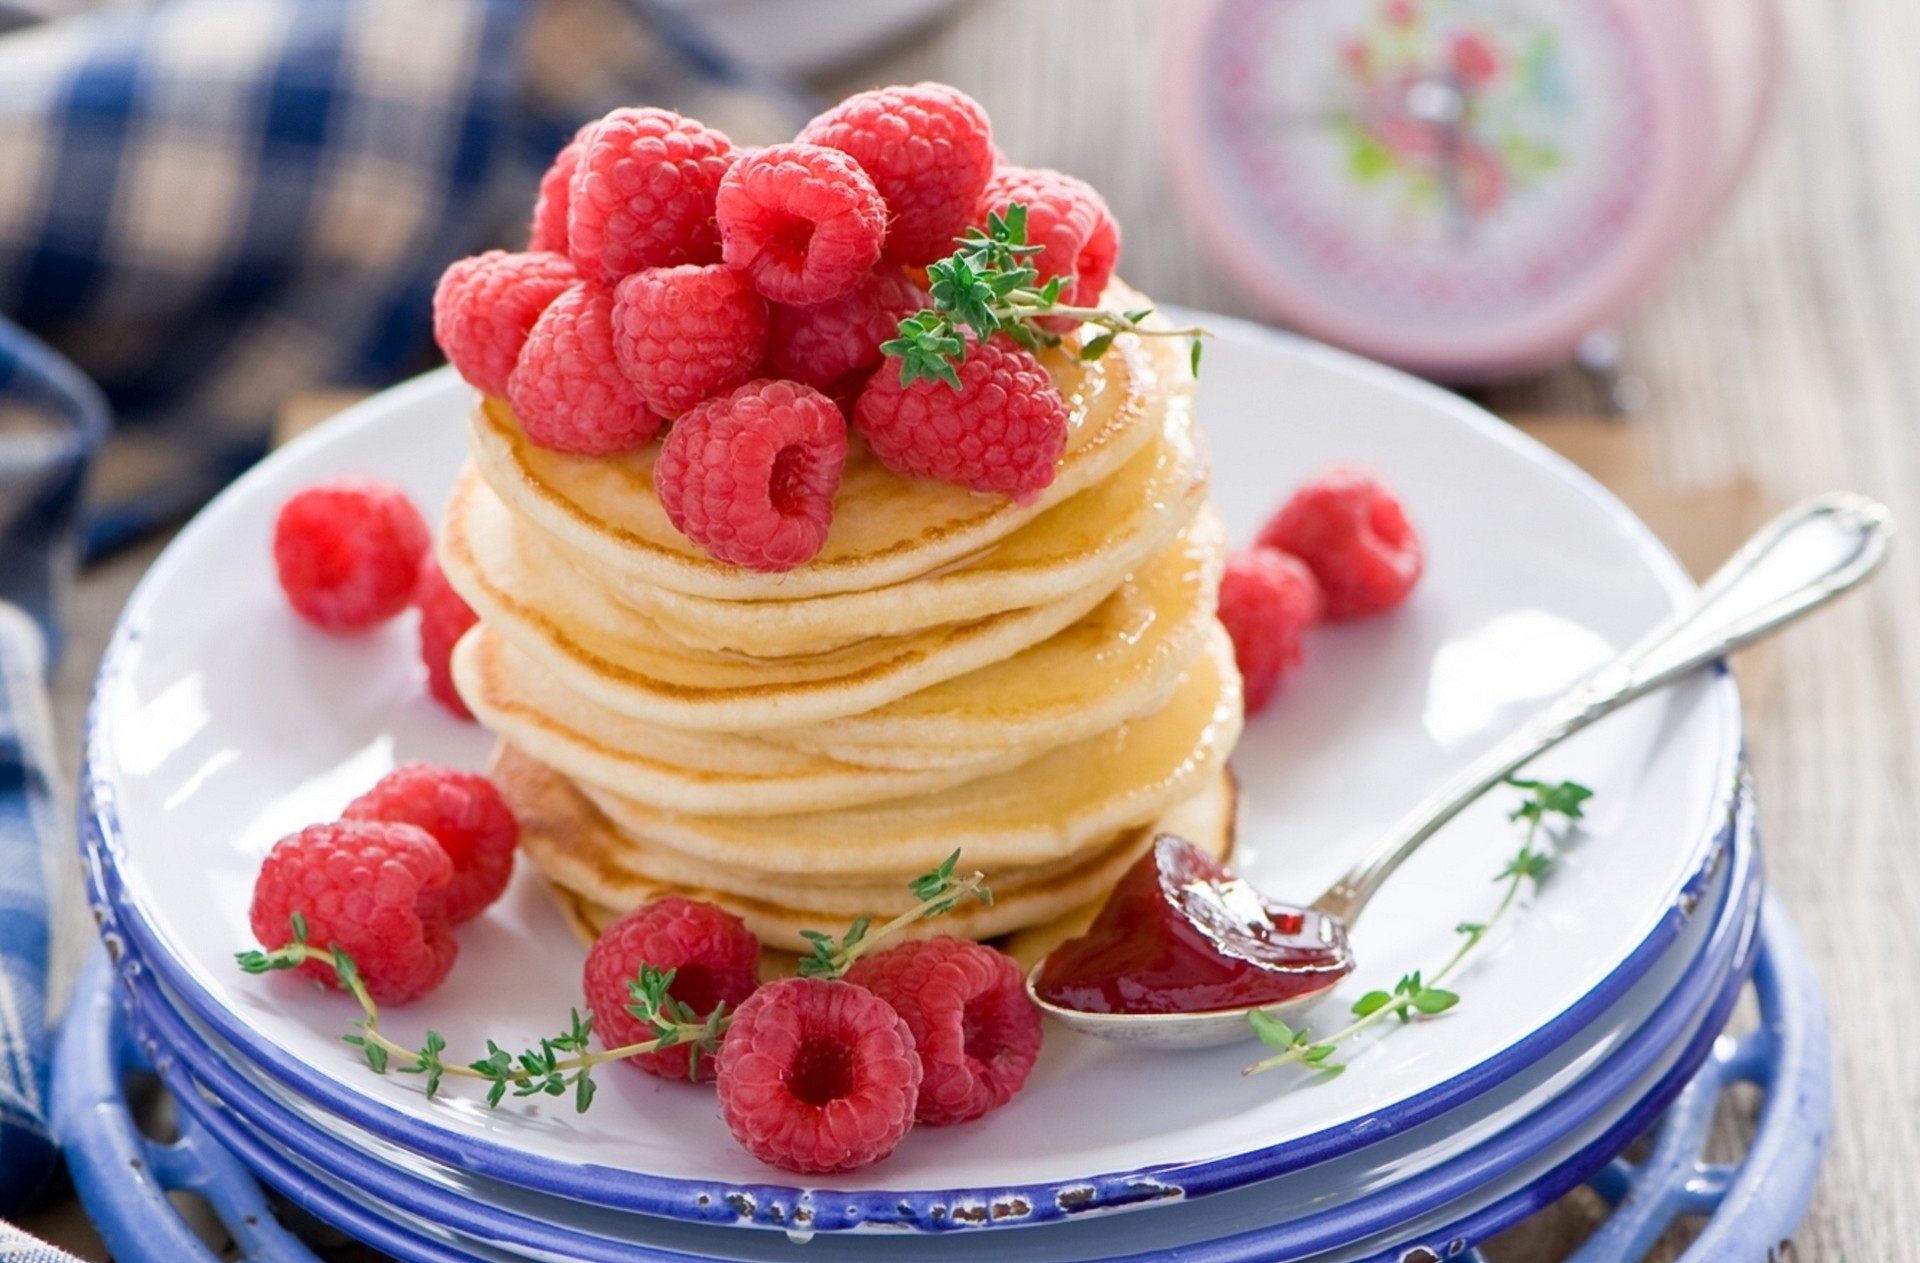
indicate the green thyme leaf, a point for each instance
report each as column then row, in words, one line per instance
column 427, row 1062
column 1272, row 1031
column 1372, row 1002
column 932, row 885
column 1528, row 863
column 1097, row 346
column 343, row 965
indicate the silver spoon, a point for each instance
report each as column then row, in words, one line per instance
column 1796, row 563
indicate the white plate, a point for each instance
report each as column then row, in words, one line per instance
column 221, row 722
column 1489, row 1189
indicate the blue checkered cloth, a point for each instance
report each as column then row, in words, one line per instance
column 33, row 828
column 207, row 207
column 51, row 421
column 211, row 204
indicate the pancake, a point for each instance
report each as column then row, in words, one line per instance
column 565, row 620
column 1087, row 541
column 515, row 697
column 1056, row 805
column 558, row 827
column 886, row 528
column 1122, row 660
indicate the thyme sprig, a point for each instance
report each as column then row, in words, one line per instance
column 990, row 285
column 1413, row 995
column 564, row 1063
column 557, row 1064
column 938, row 891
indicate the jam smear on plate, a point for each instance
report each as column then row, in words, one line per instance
column 1180, row 934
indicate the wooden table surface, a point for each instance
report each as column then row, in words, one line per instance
column 1786, row 350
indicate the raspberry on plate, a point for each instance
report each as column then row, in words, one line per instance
column 683, row 333
column 444, row 618
column 1002, row 431
column 715, row 959
column 568, row 390
column 1067, row 216
column 370, row 889
column 1268, row 599
column 465, row 814
column 818, row 1076
column 548, row 230
column 642, row 194
column 804, row 222
column 976, row 1032
column 1353, row 533
column 927, row 147
column 348, row 552
column 485, row 306
column 750, row 475
column 822, row 343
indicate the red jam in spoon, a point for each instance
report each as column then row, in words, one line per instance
column 1180, row 934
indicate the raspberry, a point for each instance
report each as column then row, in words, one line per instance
column 568, row 390
column 549, row 228
column 1003, row 430
column 642, row 195
column 977, row 1033
column 824, row 342
column 750, row 475
column 928, row 148
column 1070, row 219
column 715, row 959
column 805, row 223
column 1268, row 599
column 348, row 552
column 818, row 1076
column 370, row 889
column 485, row 305
column 444, row 618
column 683, row 333
column 1352, row 532
column 465, row 814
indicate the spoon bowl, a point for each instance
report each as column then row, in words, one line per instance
column 1209, row 1029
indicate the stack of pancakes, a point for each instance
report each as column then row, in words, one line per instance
column 1041, row 685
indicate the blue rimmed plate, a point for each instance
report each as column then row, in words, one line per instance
column 1367, row 1192
column 221, row 723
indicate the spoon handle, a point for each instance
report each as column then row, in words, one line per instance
column 1796, row 563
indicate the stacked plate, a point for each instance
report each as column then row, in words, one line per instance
column 221, row 723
